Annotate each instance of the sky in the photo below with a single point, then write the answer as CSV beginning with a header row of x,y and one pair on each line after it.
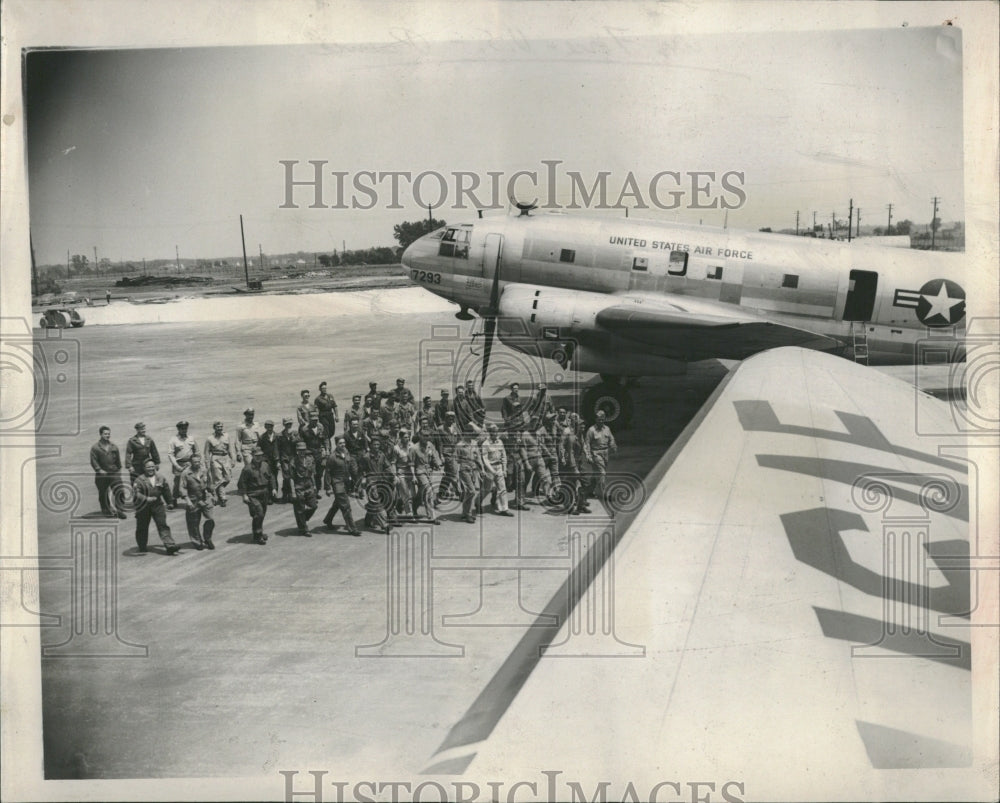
x,y
139,152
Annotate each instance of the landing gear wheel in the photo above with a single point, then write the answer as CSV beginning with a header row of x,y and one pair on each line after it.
x,y
614,400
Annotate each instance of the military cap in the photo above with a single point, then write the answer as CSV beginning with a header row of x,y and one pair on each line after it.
x,y
444,392
356,398
182,423
269,423
491,428
372,384
449,414
286,420
248,411
257,451
148,462
426,398
314,413
301,446
400,381
216,423
140,425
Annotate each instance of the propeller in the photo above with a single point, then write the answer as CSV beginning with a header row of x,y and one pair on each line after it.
x,y
490,320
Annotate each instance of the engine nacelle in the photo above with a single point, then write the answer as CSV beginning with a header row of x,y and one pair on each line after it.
x,y
561,325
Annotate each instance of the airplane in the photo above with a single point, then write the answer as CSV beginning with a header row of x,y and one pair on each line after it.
x,y
627,298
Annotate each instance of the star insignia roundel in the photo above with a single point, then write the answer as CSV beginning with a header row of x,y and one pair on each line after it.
x,y
942,303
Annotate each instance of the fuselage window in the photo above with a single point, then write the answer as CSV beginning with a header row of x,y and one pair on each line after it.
x,y
678,263
714,273
567,255
640,263
790,280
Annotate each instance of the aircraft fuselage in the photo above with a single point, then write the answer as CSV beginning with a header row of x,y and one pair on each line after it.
x,y
558,271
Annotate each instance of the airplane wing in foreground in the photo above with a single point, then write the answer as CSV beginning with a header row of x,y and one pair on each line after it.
x,y
695,329
787,613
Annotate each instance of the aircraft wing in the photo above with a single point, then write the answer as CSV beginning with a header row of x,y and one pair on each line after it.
x,y
787,617
694,329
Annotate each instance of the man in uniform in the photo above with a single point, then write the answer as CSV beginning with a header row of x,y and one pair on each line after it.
x,y
511,405
356,413
304,409
376,465
181,447
357,445
287,441
406,412
403,394
327,409
196,499
247,437
464,411
139,448
405,498
517,466
106,461
570,456
447,441
426,408
255,487
219,454
494,457
269,444
442,408
152,501
302,479
472,395
338,480
314,435
374,397
424,459
598,445
470,475
534,455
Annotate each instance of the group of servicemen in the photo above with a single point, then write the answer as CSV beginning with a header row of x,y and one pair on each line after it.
x,y
388,454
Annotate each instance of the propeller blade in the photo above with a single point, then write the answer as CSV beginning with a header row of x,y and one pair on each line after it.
x,y
490,318
489,328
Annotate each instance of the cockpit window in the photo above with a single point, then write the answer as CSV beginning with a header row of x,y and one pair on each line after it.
x,y
455,243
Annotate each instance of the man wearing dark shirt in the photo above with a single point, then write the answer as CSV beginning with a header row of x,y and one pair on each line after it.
x,y
139,448
106,461
152,501
255,488
338,479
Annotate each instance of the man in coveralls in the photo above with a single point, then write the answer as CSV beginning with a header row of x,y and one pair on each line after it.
x,y
152,501
195,497
255,487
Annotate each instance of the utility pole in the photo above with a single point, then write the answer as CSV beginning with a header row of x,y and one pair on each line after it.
x,y
888,228
796,221
243,239
814,221
34,270
850,219
97,265
934,221
260,251
177,258
430,219
857,230
833,224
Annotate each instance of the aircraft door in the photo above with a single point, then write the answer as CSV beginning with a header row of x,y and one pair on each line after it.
x,y
861,294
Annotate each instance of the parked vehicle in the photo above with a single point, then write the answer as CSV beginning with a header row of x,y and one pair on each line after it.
x,y
60,318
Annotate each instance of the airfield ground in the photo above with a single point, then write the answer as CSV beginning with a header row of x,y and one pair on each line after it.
x,y
245,660
251,663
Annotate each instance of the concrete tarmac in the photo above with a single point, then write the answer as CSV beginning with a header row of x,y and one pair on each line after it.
x,y
353,655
